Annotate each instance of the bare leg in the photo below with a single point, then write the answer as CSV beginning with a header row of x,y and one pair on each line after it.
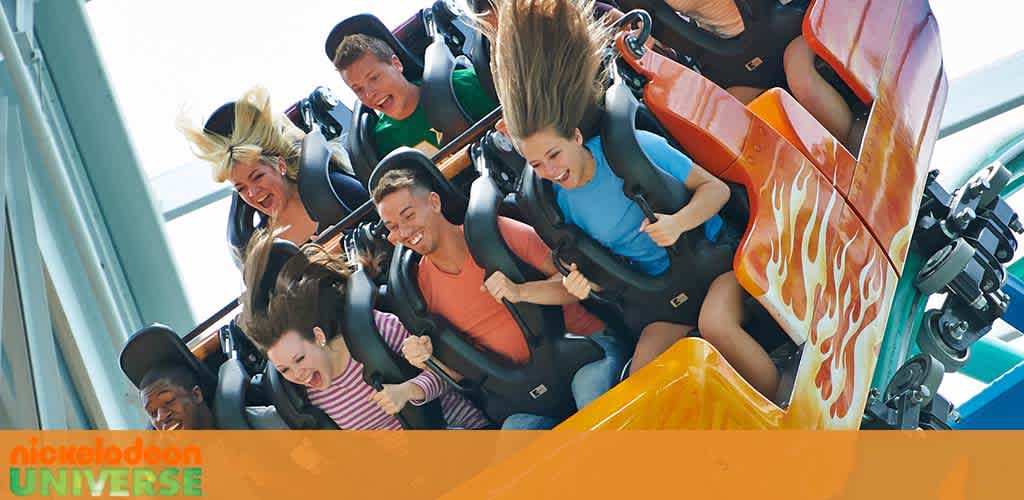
x,y
744,94
654,340
813,92
719,323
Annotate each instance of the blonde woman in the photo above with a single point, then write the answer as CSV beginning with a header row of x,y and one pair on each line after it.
x,y
258,151
547,58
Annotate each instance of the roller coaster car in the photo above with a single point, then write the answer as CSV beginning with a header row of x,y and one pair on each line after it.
x,y
430,45
542,386
753,58
828,233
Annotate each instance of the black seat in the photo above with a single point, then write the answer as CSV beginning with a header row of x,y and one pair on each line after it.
x,y
442,35
655,191
289,399
543,385
157,344
380,364
323,204
752,58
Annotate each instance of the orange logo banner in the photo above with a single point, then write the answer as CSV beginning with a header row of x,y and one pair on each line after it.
x,y
489,464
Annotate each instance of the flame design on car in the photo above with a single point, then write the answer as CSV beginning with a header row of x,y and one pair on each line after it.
x,y
827,287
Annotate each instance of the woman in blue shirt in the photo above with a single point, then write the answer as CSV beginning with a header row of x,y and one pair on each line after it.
x,y
547,60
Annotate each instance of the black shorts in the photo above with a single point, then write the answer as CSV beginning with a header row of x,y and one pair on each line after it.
x,y
641,309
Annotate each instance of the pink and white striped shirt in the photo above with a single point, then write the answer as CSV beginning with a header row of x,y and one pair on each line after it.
x,y
347,399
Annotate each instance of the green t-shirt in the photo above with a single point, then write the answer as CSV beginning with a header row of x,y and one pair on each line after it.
x,y
415,130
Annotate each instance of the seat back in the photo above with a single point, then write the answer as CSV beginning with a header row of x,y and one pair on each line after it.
x,y
229,402
360,142
380,363
437,93
322,202
368,24
157,344
292,404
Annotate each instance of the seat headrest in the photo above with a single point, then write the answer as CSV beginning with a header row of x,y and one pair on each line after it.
x,y
241,224
368,24
281,252
157,344
222,121
315,190
453,202
628,160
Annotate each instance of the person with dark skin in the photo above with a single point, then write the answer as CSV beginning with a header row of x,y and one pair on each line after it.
x,y
172,398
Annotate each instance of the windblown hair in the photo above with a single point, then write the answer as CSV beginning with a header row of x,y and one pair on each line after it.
x,y
257,135
353,47
309,291
547,64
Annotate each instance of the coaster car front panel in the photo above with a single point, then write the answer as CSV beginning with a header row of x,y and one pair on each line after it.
x,y
827,235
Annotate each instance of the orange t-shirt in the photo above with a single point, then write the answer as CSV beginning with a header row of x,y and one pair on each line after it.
x,y
458,298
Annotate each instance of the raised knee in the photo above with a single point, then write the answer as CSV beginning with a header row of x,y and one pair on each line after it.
x,y
709,325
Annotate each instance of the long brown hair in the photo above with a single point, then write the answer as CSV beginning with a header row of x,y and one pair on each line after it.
x,y
547,62
309,291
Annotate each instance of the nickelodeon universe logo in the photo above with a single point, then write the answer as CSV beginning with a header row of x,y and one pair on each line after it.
x,y
105,470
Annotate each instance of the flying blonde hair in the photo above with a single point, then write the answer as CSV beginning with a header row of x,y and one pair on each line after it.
x,y
547,64
258,135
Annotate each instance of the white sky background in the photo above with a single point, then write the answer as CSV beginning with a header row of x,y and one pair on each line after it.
x,y
165,56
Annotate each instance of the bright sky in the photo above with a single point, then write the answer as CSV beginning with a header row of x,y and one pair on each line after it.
x,y
163,57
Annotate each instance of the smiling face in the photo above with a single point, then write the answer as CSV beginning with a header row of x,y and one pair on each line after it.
x,y
172,407
557,159
264,187
381,86
302,361
413,218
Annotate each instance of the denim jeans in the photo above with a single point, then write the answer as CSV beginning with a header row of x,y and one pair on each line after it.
x,y
589,382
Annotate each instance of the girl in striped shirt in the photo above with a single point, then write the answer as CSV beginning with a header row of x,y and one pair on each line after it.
x,y
300,336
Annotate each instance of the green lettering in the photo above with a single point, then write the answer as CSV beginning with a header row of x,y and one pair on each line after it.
x,y
193,481
23,486
118,481
96,484
169,482
53,482
142,482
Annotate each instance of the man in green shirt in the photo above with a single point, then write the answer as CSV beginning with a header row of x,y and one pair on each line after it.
x,y
372,70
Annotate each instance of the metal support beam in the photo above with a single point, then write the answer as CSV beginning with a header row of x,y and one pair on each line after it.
x,y
998,406
42,351
984,93
990,358
110,164
76,304
899,342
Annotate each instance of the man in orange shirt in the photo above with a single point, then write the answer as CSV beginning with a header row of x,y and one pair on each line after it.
x,y
455,287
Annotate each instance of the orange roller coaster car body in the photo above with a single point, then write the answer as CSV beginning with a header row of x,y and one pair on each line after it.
x,y
828,233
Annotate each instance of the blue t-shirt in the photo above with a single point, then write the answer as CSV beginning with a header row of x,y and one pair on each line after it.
x,y
601,209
